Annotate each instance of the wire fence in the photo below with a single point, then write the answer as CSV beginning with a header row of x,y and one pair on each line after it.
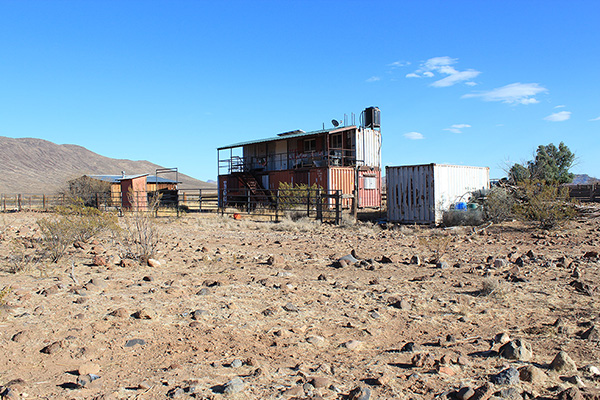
x,y
255,203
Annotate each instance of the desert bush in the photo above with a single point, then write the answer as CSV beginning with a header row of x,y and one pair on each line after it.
x,y
492,287
546,204
57,235
296,196
87,221
86,190
141,234
73,222
3,293
462,217
437,244
21,259
498,205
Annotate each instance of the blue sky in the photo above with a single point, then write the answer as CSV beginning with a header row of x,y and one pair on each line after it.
x,y
463,82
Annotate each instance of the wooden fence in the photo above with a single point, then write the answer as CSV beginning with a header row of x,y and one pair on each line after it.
x,y
585,193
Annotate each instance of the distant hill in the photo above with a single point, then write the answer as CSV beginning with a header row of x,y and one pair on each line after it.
x,y
37,166
584,179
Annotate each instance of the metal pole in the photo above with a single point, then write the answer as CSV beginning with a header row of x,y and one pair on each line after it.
x,y
319,201
338,197
277,206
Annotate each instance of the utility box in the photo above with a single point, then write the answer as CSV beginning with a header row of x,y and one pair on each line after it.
x,y
422,193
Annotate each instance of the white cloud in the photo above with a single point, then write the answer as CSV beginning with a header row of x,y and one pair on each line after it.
x,y
374,79
595,119
399,64
456,78
559,116
443,66
414,136
457,128
561,106
515,93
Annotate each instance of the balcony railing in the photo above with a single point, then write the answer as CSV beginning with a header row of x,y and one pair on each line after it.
x,y
291,160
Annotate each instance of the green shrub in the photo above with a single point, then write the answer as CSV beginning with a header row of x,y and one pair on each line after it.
x,y
74,222
296,196
498,205
546,204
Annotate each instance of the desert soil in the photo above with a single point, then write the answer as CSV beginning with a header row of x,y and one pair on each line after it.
x,y
255,310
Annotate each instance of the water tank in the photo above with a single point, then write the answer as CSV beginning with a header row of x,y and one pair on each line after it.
x,y
372,117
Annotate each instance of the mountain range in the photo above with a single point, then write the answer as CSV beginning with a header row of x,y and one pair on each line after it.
x,y
37,166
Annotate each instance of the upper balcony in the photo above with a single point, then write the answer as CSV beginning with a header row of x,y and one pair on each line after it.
x,y
232,163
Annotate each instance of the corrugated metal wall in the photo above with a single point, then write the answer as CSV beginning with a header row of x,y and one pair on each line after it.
x,y
410,194
420,193
368,147
341,178
369,188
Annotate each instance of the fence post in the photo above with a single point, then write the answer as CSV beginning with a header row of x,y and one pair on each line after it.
x,y
44,202
200,200
338,198
18,202
277,206
319,201
308,203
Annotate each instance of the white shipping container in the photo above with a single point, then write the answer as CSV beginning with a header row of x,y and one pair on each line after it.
x,y
368,147
421,193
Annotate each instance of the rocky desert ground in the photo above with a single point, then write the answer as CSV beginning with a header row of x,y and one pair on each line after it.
x,y
256,310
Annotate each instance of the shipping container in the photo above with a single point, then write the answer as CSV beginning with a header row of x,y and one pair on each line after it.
x,y
368,147
369,188
421,193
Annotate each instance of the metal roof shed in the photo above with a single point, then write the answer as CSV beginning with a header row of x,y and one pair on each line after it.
x,y
421,193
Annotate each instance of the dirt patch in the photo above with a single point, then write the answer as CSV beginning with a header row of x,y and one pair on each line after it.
x,y
240,309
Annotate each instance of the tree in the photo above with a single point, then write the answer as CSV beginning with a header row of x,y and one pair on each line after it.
x,y
551,165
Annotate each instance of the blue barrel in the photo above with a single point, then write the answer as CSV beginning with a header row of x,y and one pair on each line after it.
x,y
461,206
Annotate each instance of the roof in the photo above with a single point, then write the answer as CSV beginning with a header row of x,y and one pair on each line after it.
x,y
119,178
286,136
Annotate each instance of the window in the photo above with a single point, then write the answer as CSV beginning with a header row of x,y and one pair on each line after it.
x,y
336,141
310,145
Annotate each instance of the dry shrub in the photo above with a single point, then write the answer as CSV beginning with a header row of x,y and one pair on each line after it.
x,y
74,222
462,218
437,244
21,259
492,287
498,205
141,234
546,204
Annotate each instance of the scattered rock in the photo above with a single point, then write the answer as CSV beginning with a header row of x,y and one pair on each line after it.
x,y
421,360
509,376
500,263
516,350
443,265
352,345
509,393
410,347
290,307
127,263
153,263
465,393
133,342
563,363
571,393
89,368
144,313
198,314
100,261
320,382
415,260
591,334
532,374
235,385
316,340
360,393
502,338
236,363
52,348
